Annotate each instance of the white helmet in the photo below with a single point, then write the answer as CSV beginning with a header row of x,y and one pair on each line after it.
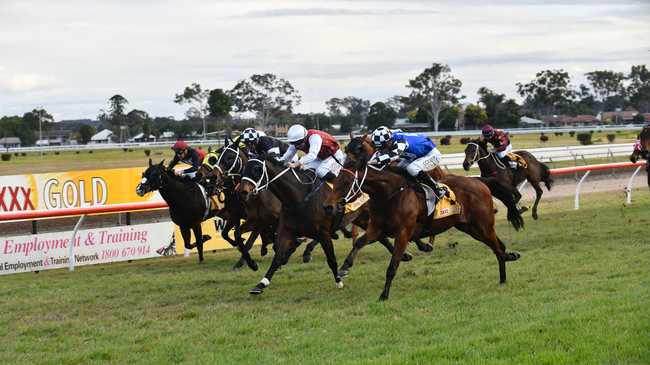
x,y
381,135
296,133
249,135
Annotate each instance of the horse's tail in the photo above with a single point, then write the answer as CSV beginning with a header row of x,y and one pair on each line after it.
x,y
506,197
546,176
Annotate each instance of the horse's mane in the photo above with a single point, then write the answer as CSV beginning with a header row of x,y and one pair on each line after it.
x,y
480,142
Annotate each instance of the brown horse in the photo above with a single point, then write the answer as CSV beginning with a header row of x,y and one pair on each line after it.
x,y
491,166
397,208
643,151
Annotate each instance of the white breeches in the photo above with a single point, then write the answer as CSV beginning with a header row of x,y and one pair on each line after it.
x,y
322,167
427,162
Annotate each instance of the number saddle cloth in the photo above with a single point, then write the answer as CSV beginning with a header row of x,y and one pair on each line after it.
x,y
518,159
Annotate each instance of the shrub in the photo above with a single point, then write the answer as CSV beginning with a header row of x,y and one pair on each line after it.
x,y
147,152
449,136
465,140
6,156
618,132
611,137
90,151
584,138
125,149
23,154
130,149
444,141
77,152
572,133
56,152
16,154
543,138
591,132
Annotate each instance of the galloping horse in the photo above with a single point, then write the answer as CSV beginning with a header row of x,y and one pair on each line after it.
x,y
398,210
187,205
644,149
491,166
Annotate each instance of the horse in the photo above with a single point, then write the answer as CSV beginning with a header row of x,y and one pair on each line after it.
x,y
397,207
222,170
644,149
491,166
187,205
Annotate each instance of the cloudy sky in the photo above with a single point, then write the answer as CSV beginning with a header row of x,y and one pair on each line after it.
x,y
71,56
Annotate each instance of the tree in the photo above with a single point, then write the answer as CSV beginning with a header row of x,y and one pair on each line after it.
x,y
475,116
139,120
219,104
549,92
500,111
116,107
196,97
264,94
85,133
380,114
37,120
437,87
638,88
349,111
605,83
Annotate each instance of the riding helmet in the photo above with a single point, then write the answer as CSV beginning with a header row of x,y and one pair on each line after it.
x,y
296,133
180,145
250,135
381,135
487,131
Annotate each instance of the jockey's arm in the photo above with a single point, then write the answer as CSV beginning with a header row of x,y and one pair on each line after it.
x,y
174,162
288,156
315,143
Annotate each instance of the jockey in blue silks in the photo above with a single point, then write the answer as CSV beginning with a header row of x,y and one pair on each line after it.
x,y
415,153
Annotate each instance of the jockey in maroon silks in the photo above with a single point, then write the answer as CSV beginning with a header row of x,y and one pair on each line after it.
x,y
498,138
188,155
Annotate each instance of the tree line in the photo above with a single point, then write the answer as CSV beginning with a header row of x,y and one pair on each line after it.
x,y
434,98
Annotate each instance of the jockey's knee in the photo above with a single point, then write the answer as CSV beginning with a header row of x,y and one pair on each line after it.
x,y
329,176
413,170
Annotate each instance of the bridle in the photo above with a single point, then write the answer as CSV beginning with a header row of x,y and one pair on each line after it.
x,y
476,157
237,161
259,185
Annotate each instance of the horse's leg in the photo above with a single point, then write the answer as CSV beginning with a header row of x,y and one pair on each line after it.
x,y
346,233
306,255
389,246
401,241
230,223
423,246
372,234
187,237
267,238
487,235
328,248
284,246
240,241
538,196
198,235
247,247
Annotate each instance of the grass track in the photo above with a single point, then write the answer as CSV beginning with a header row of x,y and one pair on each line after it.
x,y
579,295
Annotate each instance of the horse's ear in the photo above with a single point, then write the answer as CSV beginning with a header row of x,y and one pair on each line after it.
x,y
162,163
150,163
209,149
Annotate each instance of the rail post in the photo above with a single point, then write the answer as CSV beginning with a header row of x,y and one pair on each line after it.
x,y
628,189
71,247
577,199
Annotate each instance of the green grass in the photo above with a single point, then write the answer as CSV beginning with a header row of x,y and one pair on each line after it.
x,y
67,161
579,295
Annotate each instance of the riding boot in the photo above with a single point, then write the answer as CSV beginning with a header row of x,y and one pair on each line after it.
x,y
427,180
506,162
329,177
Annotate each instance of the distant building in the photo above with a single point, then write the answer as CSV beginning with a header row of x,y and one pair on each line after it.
x,y
406,125
103,136
167,136
569,121
527,122
141,138
10,142
617,117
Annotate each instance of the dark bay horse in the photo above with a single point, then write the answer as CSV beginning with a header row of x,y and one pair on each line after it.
x,y
187,206
491,166
644,150
398,210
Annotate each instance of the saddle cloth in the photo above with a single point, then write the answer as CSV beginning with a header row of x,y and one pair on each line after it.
x,y
357,203
518,159
445,207
212,202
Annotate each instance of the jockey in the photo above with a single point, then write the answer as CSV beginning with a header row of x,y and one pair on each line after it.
x,y
417,154
499,139
258,143
186,154
322,152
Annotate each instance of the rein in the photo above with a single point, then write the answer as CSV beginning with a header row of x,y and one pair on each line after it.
x,y
265,175
237,161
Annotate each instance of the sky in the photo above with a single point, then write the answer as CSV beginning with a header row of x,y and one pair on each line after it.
x,y
70,56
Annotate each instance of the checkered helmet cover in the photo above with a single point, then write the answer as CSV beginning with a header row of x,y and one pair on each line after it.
x,y
381,135
250,135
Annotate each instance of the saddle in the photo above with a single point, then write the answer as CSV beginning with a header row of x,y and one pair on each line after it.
x,y
212,202
441,208
518,159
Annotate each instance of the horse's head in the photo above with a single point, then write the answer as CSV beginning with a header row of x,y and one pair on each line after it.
x,y
152,178
207,172
358,152
253,177
474,151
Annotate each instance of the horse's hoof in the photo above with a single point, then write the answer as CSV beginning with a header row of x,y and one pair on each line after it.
x,y
339,284
513,256
425,247
253,265
383,297
238,265
257,290
407,257
206,237
535,216
306,258
523,210
335,236
264,251
344,273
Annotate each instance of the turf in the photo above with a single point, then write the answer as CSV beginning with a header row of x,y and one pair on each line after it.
x,y
70,160
579,295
